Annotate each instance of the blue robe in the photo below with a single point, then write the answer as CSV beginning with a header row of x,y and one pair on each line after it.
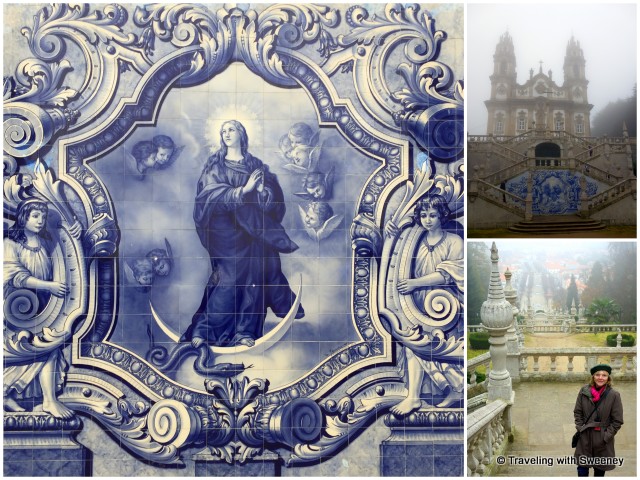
x,y
244,238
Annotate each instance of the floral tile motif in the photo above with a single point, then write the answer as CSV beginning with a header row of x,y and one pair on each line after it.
x,y
233,240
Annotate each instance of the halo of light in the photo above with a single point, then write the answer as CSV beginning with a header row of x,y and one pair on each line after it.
x,y
243,113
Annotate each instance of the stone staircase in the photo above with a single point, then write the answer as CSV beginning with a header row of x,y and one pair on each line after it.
x,y
569,224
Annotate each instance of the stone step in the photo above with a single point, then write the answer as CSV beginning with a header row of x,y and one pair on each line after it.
x,y
558,224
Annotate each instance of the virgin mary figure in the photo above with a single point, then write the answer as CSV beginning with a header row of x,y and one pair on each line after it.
x,y
238,212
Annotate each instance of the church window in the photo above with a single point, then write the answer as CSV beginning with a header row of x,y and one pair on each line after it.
x,y
522,123
499,127
579,127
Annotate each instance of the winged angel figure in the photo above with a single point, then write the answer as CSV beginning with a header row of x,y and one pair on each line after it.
x,y
425,226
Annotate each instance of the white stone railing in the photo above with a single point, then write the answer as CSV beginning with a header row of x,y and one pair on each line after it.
x,y
500,197
474,363
477,401
561,328
574,363
612,195
508,172
582,328
488,432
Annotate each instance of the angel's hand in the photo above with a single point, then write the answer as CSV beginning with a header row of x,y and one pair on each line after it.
x,y
58,289
76,229
391,230
406,286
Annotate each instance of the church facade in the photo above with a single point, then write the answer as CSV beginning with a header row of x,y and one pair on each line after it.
x,y
540,102
538,170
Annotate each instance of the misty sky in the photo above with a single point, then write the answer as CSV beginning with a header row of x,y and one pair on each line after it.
x,y
556,248
606,32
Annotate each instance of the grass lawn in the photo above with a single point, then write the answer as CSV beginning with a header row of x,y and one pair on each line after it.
x,y
576,340
471,353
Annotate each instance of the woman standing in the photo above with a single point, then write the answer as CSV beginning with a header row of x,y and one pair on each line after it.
x,y
598,416
238,212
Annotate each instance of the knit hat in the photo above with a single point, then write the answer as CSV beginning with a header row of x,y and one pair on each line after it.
x,y
600,367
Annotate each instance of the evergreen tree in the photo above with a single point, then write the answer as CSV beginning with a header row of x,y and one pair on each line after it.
x,y
478,278
596,284
622,286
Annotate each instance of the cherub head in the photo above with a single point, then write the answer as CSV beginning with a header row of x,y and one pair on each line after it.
x,y
300,134
30,217
315,184
431,212
164,147
161,261
317,214
301,155
143,271
285,146
145,154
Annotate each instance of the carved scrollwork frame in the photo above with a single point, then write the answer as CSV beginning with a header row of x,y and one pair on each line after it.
x,y
185,45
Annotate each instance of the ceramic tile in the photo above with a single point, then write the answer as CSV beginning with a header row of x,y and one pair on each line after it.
x,y
197,275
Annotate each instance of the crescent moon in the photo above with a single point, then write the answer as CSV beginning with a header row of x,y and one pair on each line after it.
x,y
266,341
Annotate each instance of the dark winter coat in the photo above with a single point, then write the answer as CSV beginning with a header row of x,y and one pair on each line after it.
x,y
597,443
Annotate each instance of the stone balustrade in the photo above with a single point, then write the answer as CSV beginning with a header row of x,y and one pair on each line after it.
x,y
612,195
505,199
488,432
571,364
474,363
583,328
560,328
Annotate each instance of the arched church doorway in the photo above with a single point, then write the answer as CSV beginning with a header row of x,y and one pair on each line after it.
x,y
548,149
545,152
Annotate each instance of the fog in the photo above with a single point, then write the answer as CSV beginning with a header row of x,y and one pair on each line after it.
x,y
514,251
607,34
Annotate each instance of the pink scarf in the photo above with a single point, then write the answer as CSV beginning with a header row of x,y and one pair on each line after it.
x,y
595,394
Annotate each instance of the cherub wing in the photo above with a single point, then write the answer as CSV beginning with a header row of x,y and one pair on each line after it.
x,y
295,168
168,247
329,178
313,141
329,226
303,214
314,158
303,195
132,166
169,252
176,154
128,273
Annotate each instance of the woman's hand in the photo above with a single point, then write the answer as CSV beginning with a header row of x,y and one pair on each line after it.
x,y
255,181
57,289
407,286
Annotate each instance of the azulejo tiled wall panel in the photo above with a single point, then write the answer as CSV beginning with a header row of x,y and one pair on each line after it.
x,y
233,240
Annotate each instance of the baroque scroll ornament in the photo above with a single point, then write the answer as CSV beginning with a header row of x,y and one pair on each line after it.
x,y
398,78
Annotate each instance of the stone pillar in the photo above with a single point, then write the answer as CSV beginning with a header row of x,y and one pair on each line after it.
x,y
497,316
513,349
427,443
37,444
583,205
528,202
